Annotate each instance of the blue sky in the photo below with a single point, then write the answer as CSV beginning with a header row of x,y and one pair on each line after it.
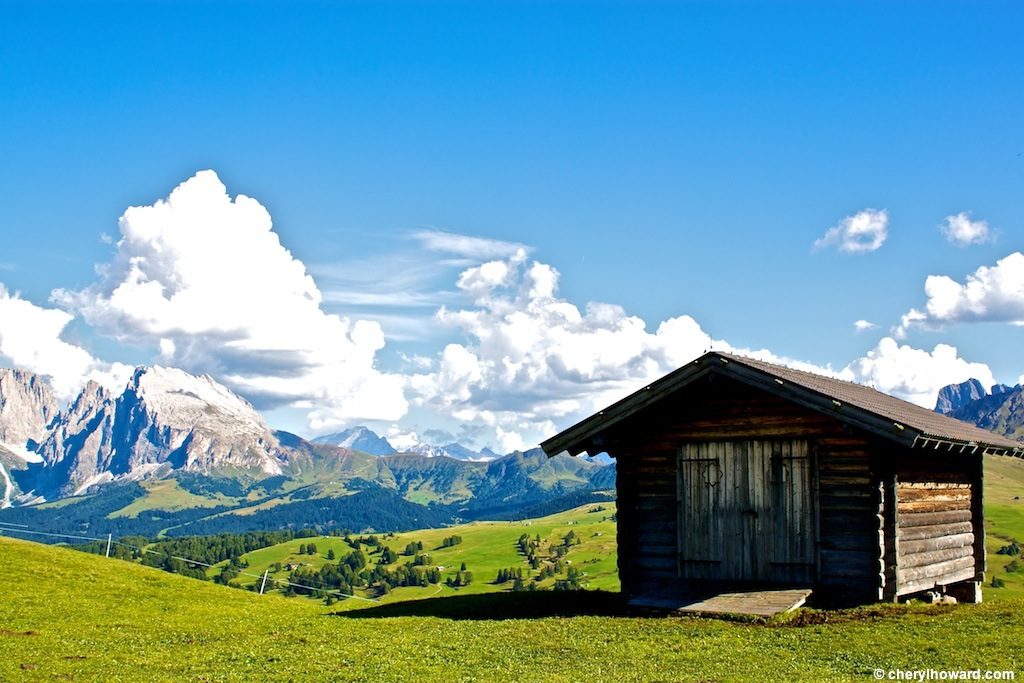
x,y
670,159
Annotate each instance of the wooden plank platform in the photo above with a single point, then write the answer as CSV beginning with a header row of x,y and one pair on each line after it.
x,y
758,603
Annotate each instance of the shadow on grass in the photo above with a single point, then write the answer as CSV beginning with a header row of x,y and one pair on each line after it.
x,y
498,606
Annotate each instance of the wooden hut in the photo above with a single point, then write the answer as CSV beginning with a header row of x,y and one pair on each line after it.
x,y
737,473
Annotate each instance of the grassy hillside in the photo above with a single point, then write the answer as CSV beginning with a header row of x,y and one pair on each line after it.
x,y
486,547
71,616
1004,523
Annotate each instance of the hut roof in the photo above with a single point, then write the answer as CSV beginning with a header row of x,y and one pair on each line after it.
x,y
849,402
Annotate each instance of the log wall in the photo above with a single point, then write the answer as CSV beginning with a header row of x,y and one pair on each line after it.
x,y
888,520
937,530
845,524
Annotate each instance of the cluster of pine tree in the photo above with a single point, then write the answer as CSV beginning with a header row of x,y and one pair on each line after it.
x,y
506,575
449,541
571,582
530,548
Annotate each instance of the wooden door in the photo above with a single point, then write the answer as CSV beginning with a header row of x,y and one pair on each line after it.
x,y
746,511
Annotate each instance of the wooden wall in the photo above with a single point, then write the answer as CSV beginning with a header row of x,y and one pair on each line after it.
x,y
939,539
864,553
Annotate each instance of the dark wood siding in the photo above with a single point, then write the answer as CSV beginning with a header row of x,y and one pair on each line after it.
x,y
874,519
747,511
848,500
846,557
646,518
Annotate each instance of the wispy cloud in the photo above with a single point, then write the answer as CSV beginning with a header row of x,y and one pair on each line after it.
x,y
480,248
864,325
861,233
962,231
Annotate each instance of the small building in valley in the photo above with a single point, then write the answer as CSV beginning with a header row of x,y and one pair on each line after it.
x,y
738,473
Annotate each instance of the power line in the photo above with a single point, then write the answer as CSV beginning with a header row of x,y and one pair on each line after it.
x,y
25,529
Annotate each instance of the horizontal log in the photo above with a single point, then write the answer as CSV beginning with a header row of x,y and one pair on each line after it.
x,y
850,507
934,518
852,557
925,532
655,532
649,527
847,571
933,505
658,549
831,468
852,541
648,575
659,562
656,502
936,570
924,545
851,480
943,494
933,476
932,557
929,583
848,522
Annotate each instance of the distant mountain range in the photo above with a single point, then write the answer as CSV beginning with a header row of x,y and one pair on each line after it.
x,y
1000,410
365,440
177,454
181,454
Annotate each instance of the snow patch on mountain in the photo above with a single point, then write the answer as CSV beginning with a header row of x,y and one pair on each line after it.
x,y
98,478
22,452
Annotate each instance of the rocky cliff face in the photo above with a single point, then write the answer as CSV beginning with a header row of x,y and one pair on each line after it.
x,y
164,420
27,407
955,396
359,439
1002,413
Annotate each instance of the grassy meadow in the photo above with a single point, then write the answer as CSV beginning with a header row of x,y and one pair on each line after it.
x,y
1004,523
66,615
486,548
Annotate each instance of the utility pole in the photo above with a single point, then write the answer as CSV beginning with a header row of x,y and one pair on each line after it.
x,y
264,584
110,537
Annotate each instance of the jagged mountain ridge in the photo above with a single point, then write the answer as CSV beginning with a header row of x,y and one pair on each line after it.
x,y
362,438
955,396
164,420
167,424
1000,410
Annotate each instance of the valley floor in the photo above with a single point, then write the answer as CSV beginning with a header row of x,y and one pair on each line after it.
x,y
66,615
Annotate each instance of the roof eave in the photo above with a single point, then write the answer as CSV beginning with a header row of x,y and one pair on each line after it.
x,y
578,438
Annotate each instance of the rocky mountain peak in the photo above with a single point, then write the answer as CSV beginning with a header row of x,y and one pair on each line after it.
x,y
165,419
955,396
27,407
180,400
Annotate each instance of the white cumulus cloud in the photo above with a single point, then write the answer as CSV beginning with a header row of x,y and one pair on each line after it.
x,y
864,325
30,339
962,231
863,232
534,359
204,279
914,375
990,294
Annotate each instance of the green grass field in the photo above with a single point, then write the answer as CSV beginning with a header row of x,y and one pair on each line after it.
x,y
67,615
486,548
1004,522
